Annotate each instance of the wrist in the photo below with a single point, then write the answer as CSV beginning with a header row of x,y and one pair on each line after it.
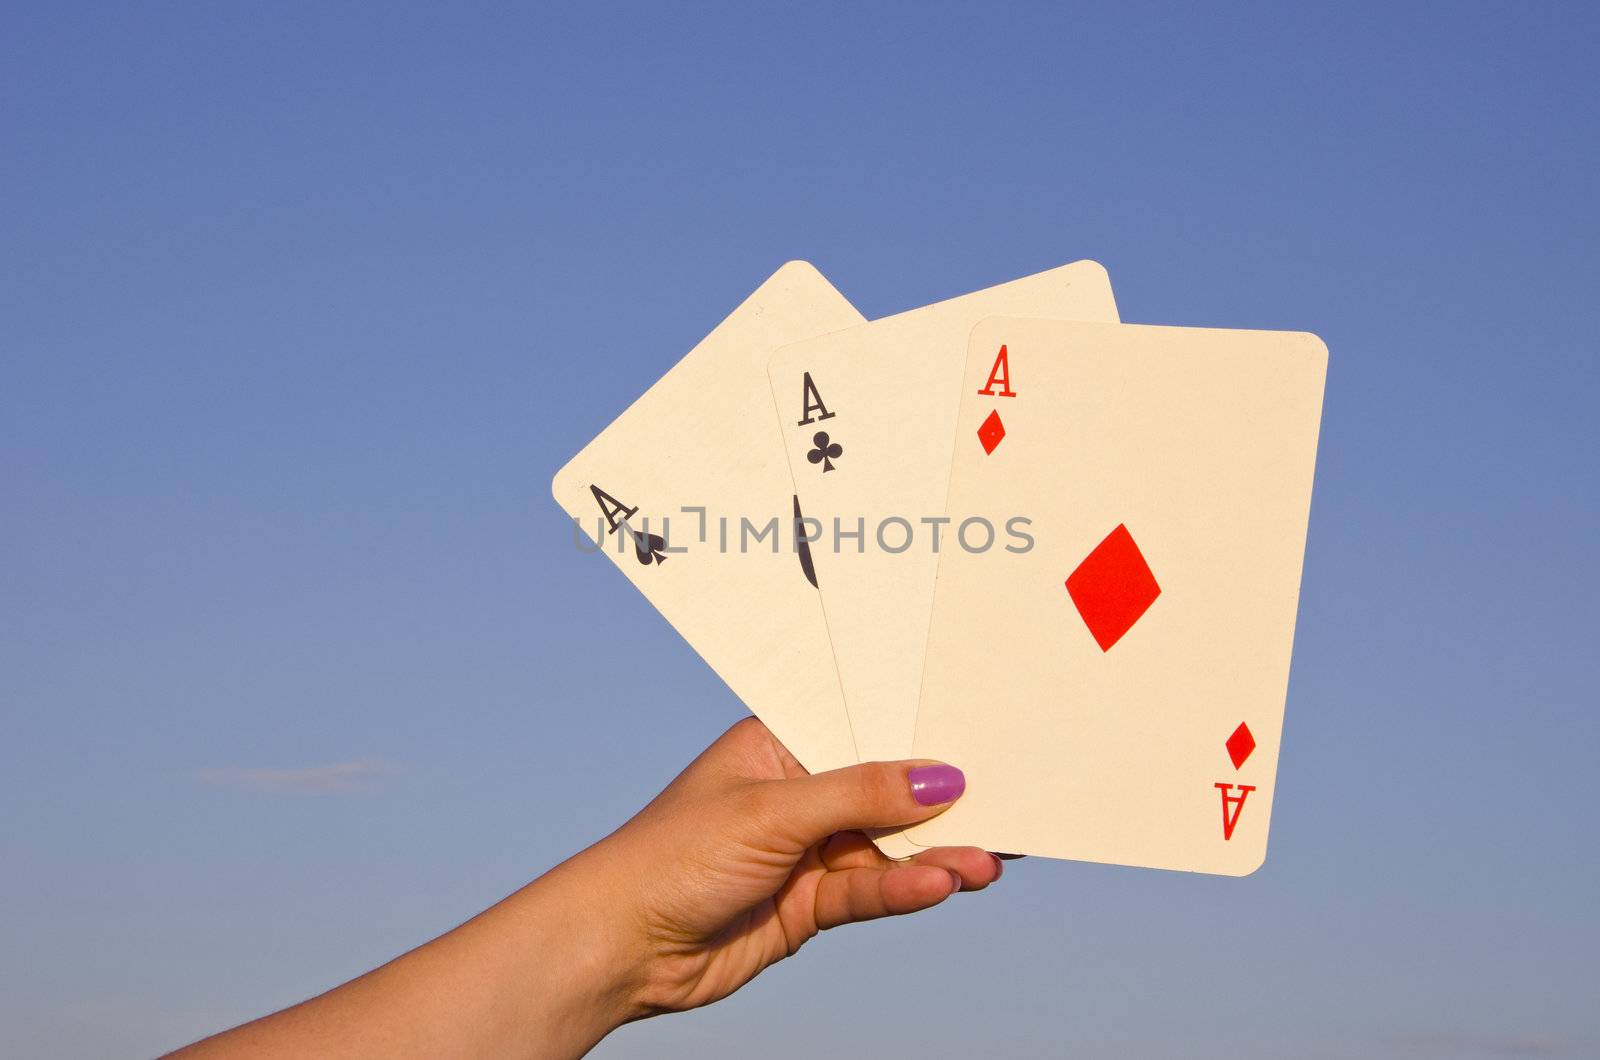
x,y
589,955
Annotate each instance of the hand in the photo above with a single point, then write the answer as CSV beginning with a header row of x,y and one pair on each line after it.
x,y
745,857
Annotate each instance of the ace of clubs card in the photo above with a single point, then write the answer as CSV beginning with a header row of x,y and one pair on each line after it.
x,y
867,416
1115,692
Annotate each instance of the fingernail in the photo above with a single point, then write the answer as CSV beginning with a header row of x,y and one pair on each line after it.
x,y
955,881
999,866
935,785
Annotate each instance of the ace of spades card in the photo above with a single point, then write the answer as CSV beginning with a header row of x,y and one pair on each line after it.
x,y
666,488
1115,691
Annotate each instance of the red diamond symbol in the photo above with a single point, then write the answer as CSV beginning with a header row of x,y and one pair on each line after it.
x,y
1113,587
1240,744
991,432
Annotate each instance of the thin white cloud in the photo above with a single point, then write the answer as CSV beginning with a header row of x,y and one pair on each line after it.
x,y
338,777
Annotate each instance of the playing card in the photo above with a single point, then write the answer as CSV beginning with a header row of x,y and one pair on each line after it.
x,y
867,416
1113,686
689,494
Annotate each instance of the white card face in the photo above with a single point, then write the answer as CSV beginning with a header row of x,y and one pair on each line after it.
x,y
885,396
701,437
1115,692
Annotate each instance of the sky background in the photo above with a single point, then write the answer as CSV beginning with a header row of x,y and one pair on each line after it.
x,y
302,305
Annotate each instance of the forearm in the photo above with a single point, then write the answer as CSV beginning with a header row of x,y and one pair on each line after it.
x,y
541,974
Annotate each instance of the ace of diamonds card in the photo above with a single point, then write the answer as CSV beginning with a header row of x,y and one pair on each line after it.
x,y
1115,691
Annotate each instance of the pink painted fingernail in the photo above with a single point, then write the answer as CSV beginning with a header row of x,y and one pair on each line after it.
x,y
936,785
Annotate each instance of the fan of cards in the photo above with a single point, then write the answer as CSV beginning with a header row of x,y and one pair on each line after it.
x,y
1004,531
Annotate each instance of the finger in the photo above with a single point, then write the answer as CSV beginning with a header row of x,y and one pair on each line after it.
x,y
806,810
977,868
854,895
852,850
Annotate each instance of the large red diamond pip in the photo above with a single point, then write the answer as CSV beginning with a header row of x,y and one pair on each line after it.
x,y
1113,587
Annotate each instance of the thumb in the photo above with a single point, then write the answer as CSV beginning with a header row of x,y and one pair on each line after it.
x,y
871,795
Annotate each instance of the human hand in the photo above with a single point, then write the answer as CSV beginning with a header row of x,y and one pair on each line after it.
x,y
744,857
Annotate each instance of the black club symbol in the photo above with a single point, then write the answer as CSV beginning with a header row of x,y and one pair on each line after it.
x,y
826,452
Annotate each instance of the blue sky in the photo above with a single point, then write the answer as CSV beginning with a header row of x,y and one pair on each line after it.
x,y
301,306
